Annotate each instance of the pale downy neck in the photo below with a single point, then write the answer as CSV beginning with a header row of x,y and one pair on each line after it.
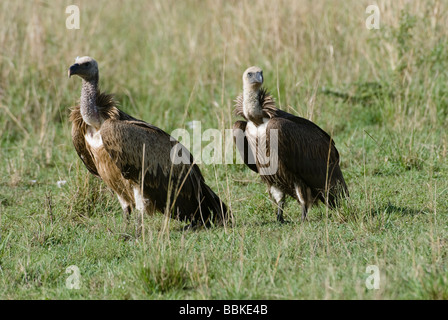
x,y
89,109
251,105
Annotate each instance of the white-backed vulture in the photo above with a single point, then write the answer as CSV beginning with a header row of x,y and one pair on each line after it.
x,y
119,148
307,161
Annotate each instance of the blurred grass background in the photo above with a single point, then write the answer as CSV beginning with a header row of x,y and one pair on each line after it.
x,y
382,94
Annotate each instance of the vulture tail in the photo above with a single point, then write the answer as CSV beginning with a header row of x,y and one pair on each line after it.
x,y
212,208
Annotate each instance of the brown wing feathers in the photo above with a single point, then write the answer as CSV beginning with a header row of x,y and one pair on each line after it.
x,y
180,186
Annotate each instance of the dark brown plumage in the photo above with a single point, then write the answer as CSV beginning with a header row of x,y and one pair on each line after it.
x,y
308,161
133,158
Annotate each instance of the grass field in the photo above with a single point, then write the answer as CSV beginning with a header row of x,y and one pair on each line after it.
x,y
382,94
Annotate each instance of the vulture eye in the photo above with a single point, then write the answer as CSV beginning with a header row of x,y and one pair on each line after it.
x,y
87,64
249,74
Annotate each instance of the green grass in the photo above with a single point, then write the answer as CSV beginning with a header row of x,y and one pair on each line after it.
x,y
383,94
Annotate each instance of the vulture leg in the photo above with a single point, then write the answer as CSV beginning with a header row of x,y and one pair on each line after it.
x,y
127,208
138,224
304,212
279,197
303,198
141,208
280,212
126,214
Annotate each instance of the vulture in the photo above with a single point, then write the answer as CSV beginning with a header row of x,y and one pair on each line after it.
x,y
135,159
292,155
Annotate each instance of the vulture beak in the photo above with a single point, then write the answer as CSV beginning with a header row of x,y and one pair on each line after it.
x,y
73,70
257,78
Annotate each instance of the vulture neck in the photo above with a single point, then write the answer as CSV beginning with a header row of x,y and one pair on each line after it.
x,y
252,109
89,109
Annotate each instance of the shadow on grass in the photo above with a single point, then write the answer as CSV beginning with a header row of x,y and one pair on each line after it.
x,y
391,208
274,223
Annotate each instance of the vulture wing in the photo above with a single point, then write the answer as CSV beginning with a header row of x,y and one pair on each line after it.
x,y
239,129
78,132
307,151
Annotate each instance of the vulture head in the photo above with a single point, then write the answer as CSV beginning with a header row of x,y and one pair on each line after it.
x,y
85,67
253,78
